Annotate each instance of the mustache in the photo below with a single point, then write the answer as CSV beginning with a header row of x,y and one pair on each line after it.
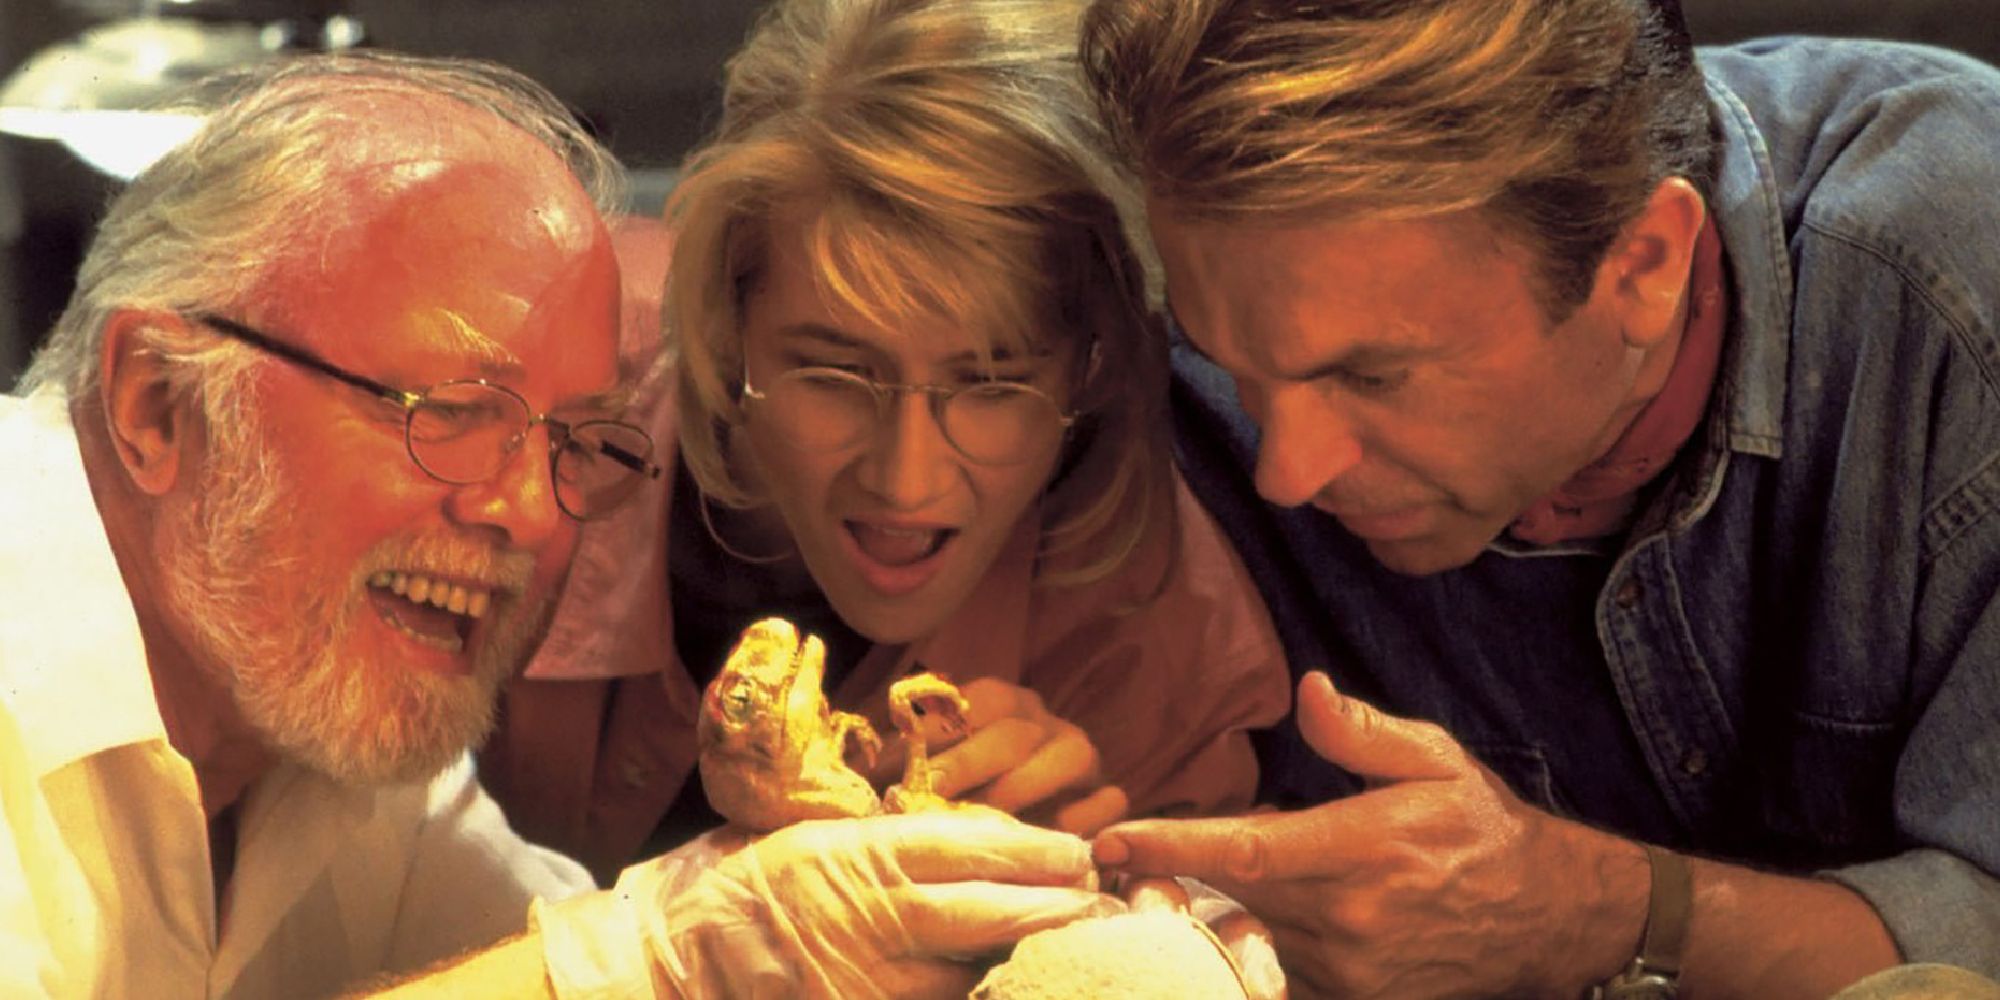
x,y
502,570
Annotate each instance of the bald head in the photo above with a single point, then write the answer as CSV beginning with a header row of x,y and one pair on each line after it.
x,y
292,149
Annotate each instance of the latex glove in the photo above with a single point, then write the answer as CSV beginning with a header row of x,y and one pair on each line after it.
x,y
1437,881
1016,756
881,906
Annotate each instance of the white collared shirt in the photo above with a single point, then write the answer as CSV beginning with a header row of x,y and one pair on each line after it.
x,y
105,885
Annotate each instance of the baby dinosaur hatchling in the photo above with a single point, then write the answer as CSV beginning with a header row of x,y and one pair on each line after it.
x,y
774,752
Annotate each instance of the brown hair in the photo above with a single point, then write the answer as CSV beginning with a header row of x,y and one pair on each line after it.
x,y
1554,118
948,165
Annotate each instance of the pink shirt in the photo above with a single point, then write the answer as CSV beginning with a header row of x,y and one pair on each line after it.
x,y
589,765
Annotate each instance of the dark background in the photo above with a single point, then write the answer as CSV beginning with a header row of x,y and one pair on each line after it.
x,y
644,74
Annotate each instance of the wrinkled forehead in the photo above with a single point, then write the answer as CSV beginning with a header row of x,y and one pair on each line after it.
x,y
466,246
399,154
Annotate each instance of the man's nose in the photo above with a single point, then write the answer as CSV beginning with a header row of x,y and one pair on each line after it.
x,y
519,500
909,460
1306,444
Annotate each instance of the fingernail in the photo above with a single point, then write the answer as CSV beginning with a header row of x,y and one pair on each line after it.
x,y
1325,684
1110,851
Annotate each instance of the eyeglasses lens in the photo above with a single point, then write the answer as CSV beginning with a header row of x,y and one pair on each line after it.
x,y
600,466
462,432
991,423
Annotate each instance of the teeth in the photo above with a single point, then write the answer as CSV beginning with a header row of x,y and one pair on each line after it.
x,y
455,598
450,644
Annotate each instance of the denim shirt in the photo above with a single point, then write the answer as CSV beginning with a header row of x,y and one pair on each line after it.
x,y
1792,659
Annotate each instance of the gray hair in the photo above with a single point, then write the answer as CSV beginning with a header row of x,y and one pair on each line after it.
x,y
258,188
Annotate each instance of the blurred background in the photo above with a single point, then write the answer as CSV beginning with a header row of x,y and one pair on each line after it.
x,y
643,73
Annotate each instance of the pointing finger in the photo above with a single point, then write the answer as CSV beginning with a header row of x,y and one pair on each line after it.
x,y
1290,845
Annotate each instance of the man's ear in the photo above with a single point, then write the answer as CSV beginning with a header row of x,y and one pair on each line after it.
x,y
143,415
1650,263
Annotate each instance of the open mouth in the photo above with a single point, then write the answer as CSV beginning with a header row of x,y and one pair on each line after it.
x,y
896,547
434,612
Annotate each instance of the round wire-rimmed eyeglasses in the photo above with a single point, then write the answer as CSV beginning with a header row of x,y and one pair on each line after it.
x,y
464,430
991,422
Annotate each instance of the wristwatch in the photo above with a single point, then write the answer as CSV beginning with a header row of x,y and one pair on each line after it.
x,y
1656,971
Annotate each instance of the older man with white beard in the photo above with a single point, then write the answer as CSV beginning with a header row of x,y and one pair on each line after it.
x,y
287,497
280,519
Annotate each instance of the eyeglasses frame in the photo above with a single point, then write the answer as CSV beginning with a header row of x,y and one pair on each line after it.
x,y
887,393
409,401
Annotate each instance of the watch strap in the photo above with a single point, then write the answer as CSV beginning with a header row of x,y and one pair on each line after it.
x,y
1669,909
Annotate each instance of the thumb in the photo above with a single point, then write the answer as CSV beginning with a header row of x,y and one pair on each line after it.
x,y
1370,743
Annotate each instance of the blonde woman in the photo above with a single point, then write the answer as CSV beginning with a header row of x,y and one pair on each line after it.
x,y
918,396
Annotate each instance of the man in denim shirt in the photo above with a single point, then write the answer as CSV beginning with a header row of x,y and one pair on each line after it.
x,y
1633,421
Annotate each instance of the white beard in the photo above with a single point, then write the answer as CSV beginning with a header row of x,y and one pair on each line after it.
x,y
274,635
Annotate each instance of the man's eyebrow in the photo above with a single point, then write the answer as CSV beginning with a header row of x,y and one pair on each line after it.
x,y
1358,358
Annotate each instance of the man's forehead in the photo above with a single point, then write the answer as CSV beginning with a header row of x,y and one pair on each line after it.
x,y
440,231
461,269
520,201
1289,299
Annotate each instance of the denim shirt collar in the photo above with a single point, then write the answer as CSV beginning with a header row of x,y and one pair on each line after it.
x,y
1746,413
1749,409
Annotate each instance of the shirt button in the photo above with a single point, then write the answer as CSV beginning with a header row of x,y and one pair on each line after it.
x,y
1694,762
635,774
1628,593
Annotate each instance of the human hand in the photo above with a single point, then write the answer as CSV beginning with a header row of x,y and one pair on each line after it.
x,y
1436,881
1016,756
1245,937
880,906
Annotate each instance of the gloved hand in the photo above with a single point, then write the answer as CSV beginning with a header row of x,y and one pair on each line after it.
x,y
881,906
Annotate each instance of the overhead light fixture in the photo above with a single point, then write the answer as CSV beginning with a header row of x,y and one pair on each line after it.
x,y
102,94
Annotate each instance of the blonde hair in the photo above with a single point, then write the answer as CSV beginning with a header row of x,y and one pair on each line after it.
x,y
1554,118
948,165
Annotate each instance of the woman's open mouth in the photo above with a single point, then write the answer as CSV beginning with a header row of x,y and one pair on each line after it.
x,y
896,559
